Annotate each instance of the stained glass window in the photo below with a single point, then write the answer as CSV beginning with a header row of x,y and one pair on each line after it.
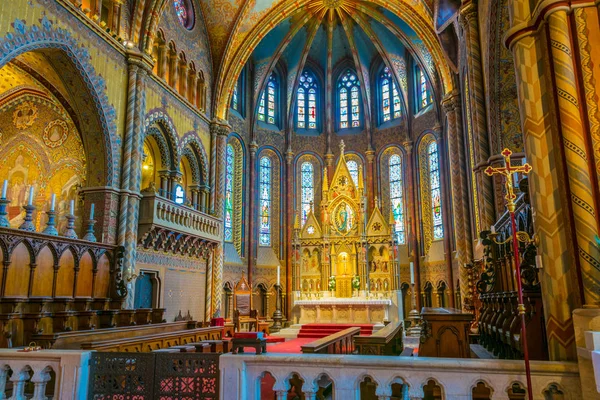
x,y
229,167
424,93
307,102
266,107
353,169
184,12
390,97
436,191
265,178
396,196
349,97
235,97
179,194
308,189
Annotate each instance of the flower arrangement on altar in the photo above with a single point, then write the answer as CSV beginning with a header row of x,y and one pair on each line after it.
x,y
356,282
331,283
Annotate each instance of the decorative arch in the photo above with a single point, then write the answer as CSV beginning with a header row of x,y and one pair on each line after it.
x,y
163,146
160,119
44,38
192,141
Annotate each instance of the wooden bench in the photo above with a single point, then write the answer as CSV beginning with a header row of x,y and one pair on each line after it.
x,y
146,343
74,339
385,342
341,342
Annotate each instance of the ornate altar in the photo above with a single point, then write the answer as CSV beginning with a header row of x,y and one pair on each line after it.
x,y
341,240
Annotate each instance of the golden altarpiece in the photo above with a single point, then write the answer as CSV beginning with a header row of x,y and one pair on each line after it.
x,y
344,245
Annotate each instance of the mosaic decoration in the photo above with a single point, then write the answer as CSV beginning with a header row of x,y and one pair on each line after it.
x,y
265,192
396,196
55,133
390,97
307,189
25,115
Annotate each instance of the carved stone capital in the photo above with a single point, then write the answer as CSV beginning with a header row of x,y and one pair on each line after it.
x,y
468,14
451,102
219,127
253,147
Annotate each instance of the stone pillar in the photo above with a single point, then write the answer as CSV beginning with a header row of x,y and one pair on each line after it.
x,y
162,61
219,131
183,77
289,224
459,187
131,175
556,138
413,217
173,68
204,197
191,95
370,188
469,23
252,216
209,293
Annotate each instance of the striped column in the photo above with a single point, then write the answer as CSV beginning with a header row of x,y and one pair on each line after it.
x,y
470,25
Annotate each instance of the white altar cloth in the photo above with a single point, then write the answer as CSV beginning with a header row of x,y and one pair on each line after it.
x,y
343,310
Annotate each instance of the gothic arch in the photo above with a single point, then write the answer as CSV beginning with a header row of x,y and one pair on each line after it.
x,y
59,43
192,142
162,120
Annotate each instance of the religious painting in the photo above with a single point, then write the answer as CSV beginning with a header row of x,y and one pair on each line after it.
x,y
344,218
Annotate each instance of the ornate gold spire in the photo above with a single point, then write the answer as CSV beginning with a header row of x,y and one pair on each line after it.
x,y
361,185
342,147
296,222
325,181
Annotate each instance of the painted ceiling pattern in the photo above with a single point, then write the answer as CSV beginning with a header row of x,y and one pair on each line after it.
x,y
237,27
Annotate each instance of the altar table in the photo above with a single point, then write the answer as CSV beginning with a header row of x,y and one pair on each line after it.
x,y
344,310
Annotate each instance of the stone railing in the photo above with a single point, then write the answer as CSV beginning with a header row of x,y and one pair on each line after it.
x,y
341,342
33,370
160,217
380,377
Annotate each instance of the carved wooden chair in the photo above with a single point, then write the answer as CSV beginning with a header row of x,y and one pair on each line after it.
x,y
242,307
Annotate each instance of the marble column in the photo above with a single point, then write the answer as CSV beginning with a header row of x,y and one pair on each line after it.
x,y
252,215
289,223
413,217
556,133
469,23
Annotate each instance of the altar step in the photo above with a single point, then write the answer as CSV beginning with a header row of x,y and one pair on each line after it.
x,y
318,331
289,333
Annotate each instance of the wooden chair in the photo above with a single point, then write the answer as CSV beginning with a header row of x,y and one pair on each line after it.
x,y
242,306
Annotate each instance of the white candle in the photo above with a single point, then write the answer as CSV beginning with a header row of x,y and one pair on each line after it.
x,y
72,208
30,196
4,188
493,229
92,212
52,202
412,273
278,274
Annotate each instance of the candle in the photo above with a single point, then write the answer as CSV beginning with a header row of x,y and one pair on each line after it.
x,y
493,229
92,212
30,196
52,202
278,275
4,188
412,273
72,208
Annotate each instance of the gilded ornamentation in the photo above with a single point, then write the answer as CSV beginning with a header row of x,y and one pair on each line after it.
x,y
25,115
426,219
56,133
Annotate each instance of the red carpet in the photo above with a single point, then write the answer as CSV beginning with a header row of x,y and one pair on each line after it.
x,y
321,330
291,346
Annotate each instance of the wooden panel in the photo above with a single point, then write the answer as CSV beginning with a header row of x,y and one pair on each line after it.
x,y
84,278
66,275
2,263
102,277
43,274
17,277
445,333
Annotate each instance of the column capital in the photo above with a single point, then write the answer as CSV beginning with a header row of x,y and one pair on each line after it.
x,y
468,13
451,102
135,58
408,146
253,146
220,127
370,153
289,155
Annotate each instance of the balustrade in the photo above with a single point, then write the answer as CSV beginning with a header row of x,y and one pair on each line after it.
x,y
338,343
241,376
39,375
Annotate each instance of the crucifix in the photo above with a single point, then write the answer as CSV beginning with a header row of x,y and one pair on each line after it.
x,y
507,171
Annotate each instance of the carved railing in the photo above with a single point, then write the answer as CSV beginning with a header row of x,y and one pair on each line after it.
x,y
341,342
379,377
498,321
385,342
175,228
52,284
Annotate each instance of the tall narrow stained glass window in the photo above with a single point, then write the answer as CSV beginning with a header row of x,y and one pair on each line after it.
x,y
264,190
349,100
396,196
435,189
306,112
266,106
353,169
229,168
235,100
424,95
390,97
308,189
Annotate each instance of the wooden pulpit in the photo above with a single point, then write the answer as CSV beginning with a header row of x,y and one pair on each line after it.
x,y
445,333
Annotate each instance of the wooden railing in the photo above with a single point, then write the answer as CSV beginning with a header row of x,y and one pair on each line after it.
x,y
341,342
74,339
146,343
385,342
